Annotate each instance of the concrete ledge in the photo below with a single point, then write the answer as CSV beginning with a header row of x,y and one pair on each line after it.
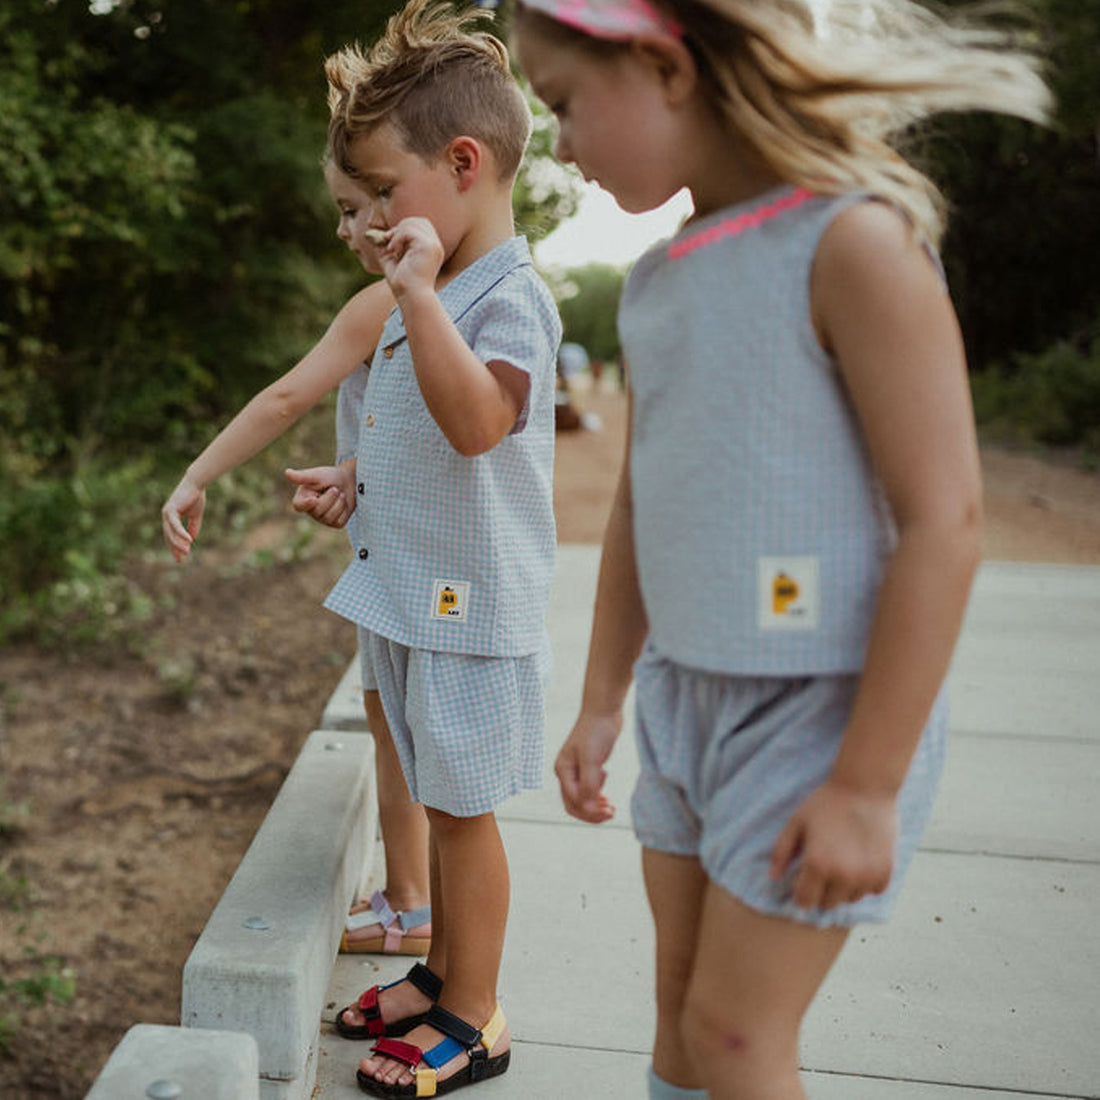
x,y
344,710
263,961
189,1063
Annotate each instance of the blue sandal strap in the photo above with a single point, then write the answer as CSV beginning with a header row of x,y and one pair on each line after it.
x,y
411,918
442,1052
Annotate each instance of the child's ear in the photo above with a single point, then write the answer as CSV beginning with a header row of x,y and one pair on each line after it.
x,y
671,61
465,159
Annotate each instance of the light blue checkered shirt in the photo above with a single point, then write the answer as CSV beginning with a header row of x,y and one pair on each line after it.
x,y
760,529
456,553
349,412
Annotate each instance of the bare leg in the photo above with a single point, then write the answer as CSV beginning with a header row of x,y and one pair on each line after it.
x,y
403,822
753,980
675,886
473,895
404,826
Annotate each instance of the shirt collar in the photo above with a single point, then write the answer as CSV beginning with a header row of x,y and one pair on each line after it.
x,y
473,282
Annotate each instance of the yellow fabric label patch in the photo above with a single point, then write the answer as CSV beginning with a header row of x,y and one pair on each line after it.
x,y
450,599
788,593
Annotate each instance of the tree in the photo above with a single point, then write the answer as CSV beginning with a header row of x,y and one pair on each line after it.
x,y
1022,244
588,298
166,245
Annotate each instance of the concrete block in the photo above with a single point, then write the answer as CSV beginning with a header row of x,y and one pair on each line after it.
x,y
153,1062
344,710
263,960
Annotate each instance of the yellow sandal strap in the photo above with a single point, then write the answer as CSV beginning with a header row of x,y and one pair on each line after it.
x,y
490,1033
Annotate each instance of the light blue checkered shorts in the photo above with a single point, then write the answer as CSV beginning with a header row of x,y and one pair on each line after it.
x,y
468,730
725,761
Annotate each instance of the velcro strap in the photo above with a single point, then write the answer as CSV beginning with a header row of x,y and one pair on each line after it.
x,y
403,1052
490,1033
356,921
425,1081
452,1025
412,917
378,903
443,1052
391,939
372,1014
423,979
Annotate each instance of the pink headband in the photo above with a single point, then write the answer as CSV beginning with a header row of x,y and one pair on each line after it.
x,y
616,20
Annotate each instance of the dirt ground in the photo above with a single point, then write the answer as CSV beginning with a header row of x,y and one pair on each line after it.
x,y
146,776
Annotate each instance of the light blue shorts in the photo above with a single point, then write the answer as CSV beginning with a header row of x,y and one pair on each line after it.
x,y
468,730
727,759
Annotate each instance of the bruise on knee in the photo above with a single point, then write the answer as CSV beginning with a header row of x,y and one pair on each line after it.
x,y
734,1042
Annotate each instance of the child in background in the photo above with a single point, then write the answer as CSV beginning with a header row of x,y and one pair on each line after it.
x,y
794,537
337,358
454,524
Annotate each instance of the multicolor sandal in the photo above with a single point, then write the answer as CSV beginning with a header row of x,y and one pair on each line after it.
x,y
461,1038
429,983
405,933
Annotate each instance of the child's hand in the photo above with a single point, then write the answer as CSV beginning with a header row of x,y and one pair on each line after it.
x,y
321,495
412,256
580,768
185,504
843,841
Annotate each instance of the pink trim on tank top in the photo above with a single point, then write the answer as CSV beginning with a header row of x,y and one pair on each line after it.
x,y
733,227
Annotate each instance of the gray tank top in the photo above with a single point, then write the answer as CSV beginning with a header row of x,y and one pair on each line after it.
x,y
760,529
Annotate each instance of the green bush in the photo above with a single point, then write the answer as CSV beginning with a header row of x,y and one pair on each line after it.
x,y
34,978
1050,398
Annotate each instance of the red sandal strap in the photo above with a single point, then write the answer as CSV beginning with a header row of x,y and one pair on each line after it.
x,y
402,1052
372,1015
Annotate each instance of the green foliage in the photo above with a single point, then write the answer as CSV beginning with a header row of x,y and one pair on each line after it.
x,y
546,192
166,250
43,978
34,978
65,540
1052,397
1024,234
588,299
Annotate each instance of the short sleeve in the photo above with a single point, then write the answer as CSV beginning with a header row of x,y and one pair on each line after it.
x,y
519,324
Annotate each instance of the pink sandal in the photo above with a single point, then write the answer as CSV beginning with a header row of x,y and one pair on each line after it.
x,y
404,933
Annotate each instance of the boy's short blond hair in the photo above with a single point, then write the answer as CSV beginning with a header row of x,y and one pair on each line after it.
x,y
433,80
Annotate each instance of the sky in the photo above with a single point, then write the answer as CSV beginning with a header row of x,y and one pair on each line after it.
x,y
599,232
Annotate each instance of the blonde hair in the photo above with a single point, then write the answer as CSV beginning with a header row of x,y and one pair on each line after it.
x,y
433,80
822,98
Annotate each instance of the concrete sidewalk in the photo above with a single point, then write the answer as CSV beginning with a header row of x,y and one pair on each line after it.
x,y
986,985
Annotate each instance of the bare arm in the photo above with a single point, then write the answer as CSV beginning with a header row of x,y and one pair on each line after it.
x,y
881,309
351,338
475,404
618,631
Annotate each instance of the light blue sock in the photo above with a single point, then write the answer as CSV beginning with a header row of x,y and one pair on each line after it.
x,y
662,1090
